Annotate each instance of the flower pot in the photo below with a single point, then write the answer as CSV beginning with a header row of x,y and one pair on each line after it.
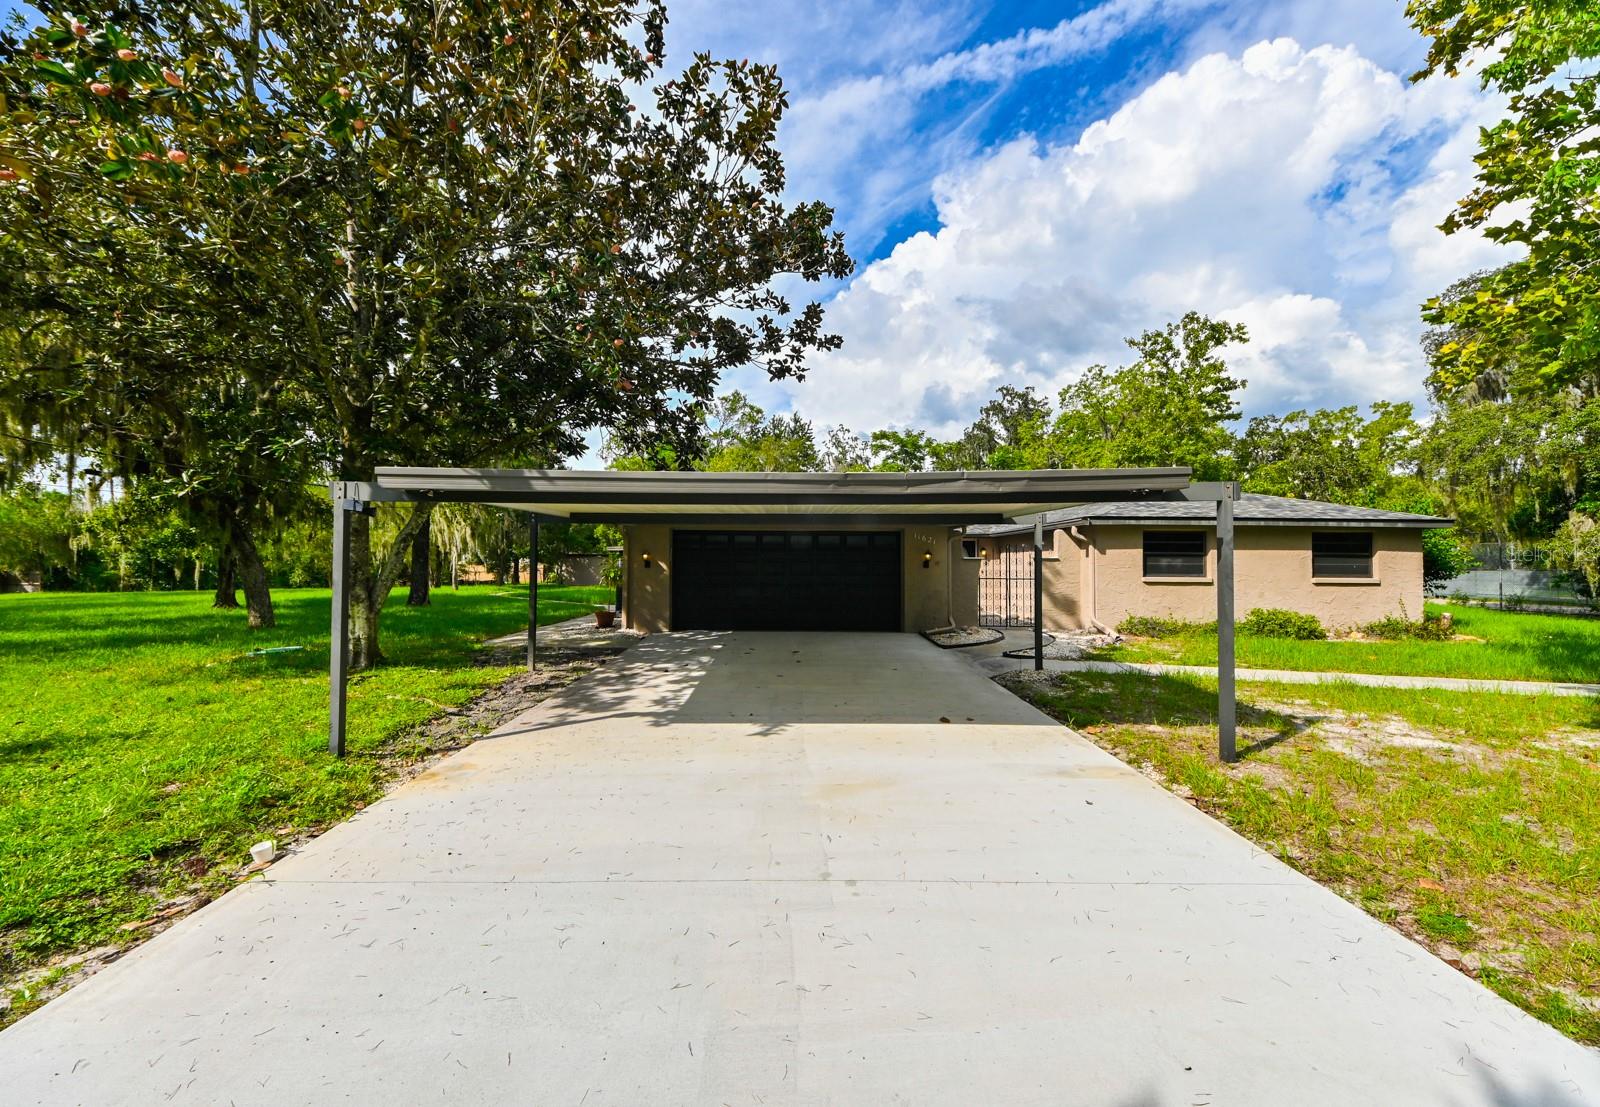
x,y
605,618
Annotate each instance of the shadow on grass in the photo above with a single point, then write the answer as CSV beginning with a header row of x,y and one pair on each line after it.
x,y
55,745
1572,654
75,627
1150,699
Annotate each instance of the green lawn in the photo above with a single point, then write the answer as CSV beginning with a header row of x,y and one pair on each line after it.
x,y
1470,821
1501,645
140,744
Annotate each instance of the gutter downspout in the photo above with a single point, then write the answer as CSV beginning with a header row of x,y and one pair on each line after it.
x,y
949,581
1089,616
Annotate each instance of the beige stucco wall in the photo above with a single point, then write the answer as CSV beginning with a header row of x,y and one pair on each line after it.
x,y
964,606
925,592
925,601
1272,568
647,592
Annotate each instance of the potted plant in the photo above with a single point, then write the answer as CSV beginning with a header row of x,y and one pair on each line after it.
x,y
604,616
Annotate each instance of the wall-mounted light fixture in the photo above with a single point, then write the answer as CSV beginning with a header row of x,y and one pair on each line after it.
x,y
983,551
927,559
647,559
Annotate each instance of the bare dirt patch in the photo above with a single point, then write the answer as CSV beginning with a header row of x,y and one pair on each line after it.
x,y
1360,738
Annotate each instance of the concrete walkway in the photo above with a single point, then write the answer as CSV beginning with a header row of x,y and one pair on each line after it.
x,y
780,869
995,664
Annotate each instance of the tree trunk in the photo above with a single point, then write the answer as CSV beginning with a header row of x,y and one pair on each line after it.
x,y
252,577
226,587
364,652
421,563
370,582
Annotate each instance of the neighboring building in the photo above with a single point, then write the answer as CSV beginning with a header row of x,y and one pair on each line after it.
x,y
26,582
575,569
1106,561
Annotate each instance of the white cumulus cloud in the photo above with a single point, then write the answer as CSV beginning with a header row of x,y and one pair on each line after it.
x,y
1294,190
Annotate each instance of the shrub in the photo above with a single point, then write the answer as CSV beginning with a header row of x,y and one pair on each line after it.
x,y
1275,622
1389,628
1445,556
1429,628
1161,626
1435,628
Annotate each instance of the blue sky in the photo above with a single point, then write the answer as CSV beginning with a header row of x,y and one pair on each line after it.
x,y
1023,185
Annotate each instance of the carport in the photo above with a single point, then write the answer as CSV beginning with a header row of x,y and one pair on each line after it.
x,y
818,505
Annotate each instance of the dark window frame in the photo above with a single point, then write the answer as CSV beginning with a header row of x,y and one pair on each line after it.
x,y
1177,554
1342,555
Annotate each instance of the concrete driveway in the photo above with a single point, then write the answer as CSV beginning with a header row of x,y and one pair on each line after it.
x,y
764,868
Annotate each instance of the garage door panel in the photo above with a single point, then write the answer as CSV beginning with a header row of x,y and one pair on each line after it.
x,y
786,580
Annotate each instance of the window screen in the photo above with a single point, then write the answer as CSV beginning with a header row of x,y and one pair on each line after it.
x,y
1341,554
1174,553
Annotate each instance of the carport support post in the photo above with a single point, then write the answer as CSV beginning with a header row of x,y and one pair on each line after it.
x,y
1038,593
339,643
533,584
1227,706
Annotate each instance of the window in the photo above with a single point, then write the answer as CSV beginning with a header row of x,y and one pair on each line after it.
x,y
969,547
1175,553
1341,554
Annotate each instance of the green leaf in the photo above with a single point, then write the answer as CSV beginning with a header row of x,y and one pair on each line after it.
x,y
51,70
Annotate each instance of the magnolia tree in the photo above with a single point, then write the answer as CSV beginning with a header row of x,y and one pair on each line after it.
x,y
1537,187
443,233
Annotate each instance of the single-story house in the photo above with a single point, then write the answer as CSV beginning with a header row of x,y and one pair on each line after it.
x,y
786,551
1106,561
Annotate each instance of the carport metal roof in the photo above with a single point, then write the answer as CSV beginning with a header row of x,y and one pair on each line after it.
x,y
584,496
955,499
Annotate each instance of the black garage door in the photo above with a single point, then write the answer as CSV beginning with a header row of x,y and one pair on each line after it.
x,y
782,580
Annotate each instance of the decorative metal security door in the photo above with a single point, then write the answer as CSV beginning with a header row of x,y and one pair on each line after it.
x,y
1005,585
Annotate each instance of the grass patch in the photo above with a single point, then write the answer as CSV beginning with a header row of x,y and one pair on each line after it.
x,y
1471,821
142,749
1490,645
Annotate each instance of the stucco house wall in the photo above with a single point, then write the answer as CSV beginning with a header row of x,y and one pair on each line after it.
x,y
926,593
964,597
1272,568
1095,573
647,591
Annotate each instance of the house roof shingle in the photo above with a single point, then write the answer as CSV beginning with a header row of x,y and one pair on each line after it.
x,y
1252,509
